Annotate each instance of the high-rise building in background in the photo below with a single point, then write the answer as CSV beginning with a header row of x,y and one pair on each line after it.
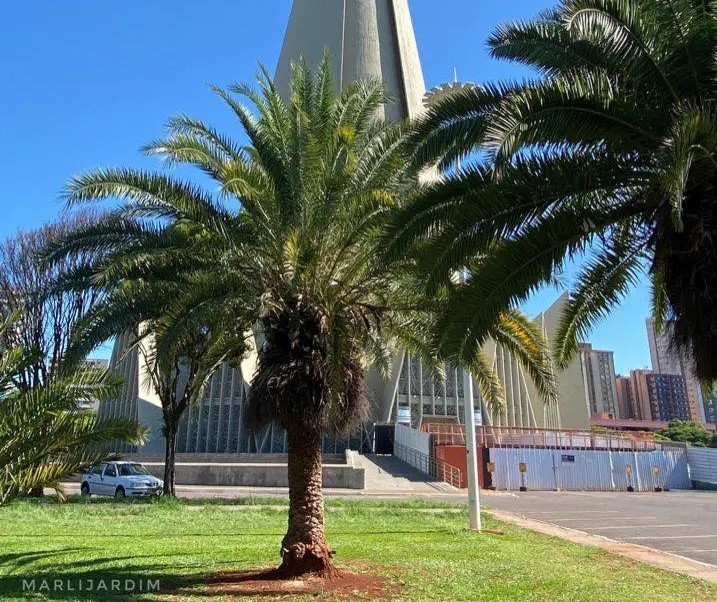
x,y
659,397
670,361
668,397
599,374
625,397
710,406
641,394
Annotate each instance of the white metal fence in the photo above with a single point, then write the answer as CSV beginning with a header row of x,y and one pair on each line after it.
x,y
414,448
589,470
430,466
413,439
703,465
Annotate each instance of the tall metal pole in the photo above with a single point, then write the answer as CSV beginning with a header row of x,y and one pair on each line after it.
x,y
472,449
470,420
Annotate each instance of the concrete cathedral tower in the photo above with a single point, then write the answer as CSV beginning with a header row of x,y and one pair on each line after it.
x,y
364,38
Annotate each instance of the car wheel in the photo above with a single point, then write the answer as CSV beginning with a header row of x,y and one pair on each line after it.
x,y
119,493
85,490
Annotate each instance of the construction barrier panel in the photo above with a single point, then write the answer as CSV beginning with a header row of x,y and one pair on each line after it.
x,y
703,467
589,470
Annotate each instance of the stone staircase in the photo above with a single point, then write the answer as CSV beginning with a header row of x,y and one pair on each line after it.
x,y
388,473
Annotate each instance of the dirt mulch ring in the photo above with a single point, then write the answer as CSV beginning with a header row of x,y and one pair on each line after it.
x,y
346,585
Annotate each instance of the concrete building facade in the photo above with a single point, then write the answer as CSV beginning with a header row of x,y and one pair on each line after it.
x,y
599,374
625,397
667,360
668,397
641,395
659,397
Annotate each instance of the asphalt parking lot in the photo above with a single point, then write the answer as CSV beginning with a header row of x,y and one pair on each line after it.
x,y
680,522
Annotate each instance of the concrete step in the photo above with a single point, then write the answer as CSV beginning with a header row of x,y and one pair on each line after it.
x,y
388,472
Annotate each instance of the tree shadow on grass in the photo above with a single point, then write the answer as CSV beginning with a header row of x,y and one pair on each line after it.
x,y
131,583
139,583
15,560
165,582
162,535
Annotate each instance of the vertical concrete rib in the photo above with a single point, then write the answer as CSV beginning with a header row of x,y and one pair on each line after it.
x,y
222,401
364,38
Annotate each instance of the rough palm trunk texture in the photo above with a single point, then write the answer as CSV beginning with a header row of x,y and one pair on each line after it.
x,y
170,453
304,549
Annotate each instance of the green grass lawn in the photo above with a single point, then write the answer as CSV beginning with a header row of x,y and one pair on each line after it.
x,y
427,548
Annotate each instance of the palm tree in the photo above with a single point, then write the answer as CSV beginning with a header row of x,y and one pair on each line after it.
x,y
286,253
178,365
46,432
607,161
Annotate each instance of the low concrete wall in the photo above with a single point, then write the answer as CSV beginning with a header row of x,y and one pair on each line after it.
x,y
230,458
253,470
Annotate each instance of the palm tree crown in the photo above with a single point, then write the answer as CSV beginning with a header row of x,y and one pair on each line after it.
x,y
608,159
293,260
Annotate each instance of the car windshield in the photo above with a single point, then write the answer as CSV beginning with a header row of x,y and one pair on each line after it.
x,y
127,470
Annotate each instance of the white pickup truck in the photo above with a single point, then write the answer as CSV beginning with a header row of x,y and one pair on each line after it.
x,y
120,479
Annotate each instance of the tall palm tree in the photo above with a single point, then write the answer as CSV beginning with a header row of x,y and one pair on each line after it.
x,y
47,432
287,251
607,160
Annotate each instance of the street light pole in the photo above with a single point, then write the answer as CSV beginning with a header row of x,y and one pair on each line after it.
x,y
472,449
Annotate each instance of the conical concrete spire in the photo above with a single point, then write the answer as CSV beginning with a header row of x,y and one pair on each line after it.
x,y
364,38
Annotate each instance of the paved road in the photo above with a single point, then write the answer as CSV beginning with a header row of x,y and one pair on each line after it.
x,y
681,522
422,491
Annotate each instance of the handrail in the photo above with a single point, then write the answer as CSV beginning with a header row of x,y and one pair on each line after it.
x,y
434,467
502,436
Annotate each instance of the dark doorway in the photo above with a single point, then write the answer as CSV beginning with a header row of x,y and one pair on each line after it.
x,y
384,435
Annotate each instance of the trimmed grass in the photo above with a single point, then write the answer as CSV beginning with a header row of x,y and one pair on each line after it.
x,y
423,546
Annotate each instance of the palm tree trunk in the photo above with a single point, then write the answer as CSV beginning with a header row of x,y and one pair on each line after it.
x,y
304,549
170,452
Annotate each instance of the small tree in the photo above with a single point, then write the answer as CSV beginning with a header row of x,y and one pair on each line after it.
x,y
180,355
180,351
47,316
687,432
178,377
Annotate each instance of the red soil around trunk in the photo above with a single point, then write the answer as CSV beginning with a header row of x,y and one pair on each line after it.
x,y
342,585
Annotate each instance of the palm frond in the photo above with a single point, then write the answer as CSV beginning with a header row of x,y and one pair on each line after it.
x,y
47,435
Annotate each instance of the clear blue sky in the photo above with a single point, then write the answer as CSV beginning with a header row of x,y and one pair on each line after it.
x,y
85,84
